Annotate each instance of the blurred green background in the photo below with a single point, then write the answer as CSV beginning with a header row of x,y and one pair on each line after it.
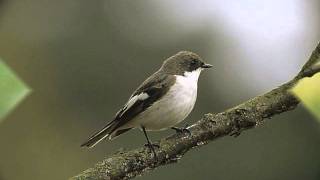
x,y
84,58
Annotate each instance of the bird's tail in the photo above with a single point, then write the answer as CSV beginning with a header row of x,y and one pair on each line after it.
x,y
99,136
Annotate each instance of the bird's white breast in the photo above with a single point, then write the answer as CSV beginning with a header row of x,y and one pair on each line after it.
x,y
174,106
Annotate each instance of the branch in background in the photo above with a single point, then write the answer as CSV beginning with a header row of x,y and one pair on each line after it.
x,y
129,164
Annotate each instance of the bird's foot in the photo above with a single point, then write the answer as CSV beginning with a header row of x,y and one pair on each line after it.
x,y
151,147
182,130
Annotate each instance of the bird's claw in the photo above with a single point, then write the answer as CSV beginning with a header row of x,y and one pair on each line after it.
x,y
151,148
182,130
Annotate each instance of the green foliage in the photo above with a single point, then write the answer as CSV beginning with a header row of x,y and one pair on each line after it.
x,y
12,90
308,91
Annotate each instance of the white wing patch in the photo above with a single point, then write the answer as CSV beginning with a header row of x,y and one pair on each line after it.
x,y
133,100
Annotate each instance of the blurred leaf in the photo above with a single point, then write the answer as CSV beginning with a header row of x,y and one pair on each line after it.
x,y
12,90
308,91
316,65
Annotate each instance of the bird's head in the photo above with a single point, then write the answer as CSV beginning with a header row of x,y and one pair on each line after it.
x,y
184,62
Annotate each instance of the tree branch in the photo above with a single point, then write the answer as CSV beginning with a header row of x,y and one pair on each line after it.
x,y
128,164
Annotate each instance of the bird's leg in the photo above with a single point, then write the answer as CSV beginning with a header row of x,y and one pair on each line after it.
x,y
149,144
182,130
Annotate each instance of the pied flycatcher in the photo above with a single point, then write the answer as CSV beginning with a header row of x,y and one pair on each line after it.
x,y
162,101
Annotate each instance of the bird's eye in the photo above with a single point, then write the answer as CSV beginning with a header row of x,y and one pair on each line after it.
x,y
193,62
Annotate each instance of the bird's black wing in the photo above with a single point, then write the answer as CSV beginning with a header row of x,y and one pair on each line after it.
x,y
149,92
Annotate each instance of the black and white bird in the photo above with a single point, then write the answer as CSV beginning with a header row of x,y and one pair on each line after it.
x,y
162,101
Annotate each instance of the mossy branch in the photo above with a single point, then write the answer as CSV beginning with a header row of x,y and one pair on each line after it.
x,y
129,164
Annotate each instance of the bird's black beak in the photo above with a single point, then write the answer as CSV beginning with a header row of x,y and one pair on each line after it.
x,y
206,66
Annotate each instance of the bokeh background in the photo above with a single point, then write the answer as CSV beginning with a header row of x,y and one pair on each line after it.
x,y
84,58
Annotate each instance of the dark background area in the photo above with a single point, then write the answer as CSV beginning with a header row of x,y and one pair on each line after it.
x,y
84,58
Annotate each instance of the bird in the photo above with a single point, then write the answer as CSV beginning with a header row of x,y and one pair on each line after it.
x,y
161,102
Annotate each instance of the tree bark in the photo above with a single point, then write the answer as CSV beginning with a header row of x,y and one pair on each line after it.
x,y
129,164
